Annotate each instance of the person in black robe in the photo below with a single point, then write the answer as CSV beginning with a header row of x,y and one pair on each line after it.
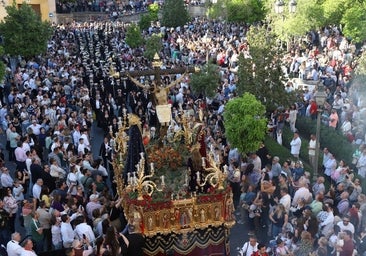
x,y
135,146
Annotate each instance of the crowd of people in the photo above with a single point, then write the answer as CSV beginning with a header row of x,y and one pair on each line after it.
x,y
67,199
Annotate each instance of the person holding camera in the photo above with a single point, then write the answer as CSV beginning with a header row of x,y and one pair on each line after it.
x,y
37,232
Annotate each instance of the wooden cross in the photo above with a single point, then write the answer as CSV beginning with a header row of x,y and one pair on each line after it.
x,y
160,91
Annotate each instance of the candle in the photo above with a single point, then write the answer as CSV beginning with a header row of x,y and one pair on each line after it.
x,y
203,162
162,180
198,176
128,177
124,111
110,128
186,179
142,155
212,148
225,169
152,166
172,196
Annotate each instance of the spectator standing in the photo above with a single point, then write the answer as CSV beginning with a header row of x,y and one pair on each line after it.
x,y
28,248
6,180
250,247
37,232
295,145
13,247
348,245
67,232
11,206
311,151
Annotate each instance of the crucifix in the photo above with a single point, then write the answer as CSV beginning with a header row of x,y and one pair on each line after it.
x,y
163,109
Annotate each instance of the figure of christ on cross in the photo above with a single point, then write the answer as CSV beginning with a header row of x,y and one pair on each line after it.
x,y
160,99
160,92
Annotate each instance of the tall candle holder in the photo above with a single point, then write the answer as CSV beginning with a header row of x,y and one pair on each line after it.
x,y
119,145
140,182
216,176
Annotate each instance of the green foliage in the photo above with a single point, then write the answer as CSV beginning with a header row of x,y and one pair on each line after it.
x,y
2,65
245,11
133,36
151,16
283,153
245,123
153,11
206,81
214,11
248,11
262,75
174,13
334,10
153,45
24,32
309,14
354,20
145,21
332,139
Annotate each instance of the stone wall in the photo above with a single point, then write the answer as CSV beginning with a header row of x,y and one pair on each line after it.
x,y
195,11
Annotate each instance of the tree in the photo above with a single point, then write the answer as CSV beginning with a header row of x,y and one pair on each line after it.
x,y
308,16
154,11
133,36
153,45
151,16
245,123
248,11
174,13
334,10
24,32
206,81
354,21
261,75
2,65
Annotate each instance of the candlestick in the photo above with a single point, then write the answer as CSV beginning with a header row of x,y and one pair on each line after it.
x,y
225,169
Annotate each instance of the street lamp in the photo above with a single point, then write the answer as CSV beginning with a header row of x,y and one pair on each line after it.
x,y
292,6
279,6
320,97
206,40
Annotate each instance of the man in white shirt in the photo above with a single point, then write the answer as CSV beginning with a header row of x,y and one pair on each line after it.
x,y
37,187
13,248
311,150
36,127
302,193
250,247
285,199
84,135
28,248
345,224
6,180
67,232
295,145
83,229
